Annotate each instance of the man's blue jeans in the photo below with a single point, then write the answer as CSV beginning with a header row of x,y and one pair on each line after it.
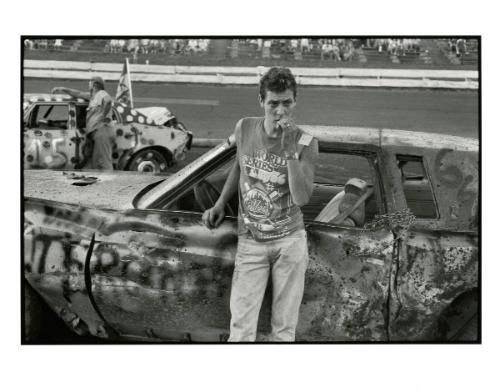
x,y
286,258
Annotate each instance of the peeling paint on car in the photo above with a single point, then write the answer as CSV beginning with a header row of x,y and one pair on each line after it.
x,y
161,274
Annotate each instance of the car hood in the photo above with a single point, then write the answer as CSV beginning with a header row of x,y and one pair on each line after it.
x,y
158,115
113,189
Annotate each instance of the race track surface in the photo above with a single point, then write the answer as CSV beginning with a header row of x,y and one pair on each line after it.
x,y
212,111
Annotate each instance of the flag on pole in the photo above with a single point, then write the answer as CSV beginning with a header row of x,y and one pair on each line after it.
x,y
124,90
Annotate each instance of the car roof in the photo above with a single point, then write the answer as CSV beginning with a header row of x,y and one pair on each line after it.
x,y
380,137
32,98
139,115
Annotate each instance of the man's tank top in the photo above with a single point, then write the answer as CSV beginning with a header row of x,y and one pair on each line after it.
x,y
266,208
98,111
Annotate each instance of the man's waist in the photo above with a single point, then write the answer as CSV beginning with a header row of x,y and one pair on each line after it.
x,y
270,228
94,125
249,232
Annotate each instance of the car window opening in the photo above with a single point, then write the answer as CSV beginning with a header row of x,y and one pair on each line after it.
x,y
51,117
344,190
417,188
343,182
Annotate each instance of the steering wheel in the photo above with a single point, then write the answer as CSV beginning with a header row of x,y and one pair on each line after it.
x,y
206,195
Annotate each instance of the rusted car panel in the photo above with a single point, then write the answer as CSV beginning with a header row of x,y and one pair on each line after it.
x,y
346,285
56,243
438,257
61,143
433,270
452,166
137,267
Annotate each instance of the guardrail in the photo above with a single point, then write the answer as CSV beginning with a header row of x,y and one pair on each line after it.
x,y
349,77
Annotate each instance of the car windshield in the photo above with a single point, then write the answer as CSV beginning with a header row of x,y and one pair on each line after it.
x,y
156,197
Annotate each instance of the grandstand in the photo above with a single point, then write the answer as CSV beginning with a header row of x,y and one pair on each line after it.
x,y
460,51
299,52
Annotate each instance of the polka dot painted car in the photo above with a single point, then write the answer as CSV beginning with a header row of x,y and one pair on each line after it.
x,y
147,139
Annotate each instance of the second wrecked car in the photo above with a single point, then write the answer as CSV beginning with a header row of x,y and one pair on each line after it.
x,y
54,135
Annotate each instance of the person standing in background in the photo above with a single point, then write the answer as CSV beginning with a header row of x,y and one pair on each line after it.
x,y
273,174
98,122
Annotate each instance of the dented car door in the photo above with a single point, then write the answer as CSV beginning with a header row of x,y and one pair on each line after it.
x,y
347,283
163,275
57,248
50,136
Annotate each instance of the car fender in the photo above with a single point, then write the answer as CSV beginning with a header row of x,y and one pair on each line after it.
x,y
132,138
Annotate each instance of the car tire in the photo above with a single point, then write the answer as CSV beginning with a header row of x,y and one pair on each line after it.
x,y
149,160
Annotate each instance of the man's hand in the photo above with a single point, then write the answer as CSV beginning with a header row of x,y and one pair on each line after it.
x,y
213,217
288,135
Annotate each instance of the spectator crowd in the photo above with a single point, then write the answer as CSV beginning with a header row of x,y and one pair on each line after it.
x,y
55,44
334,49
315,49
461,46
154,46
393,46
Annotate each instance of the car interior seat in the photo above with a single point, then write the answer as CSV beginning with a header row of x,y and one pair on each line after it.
x,y
347,208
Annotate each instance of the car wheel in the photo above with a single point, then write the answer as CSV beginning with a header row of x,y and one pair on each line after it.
x,y
150,161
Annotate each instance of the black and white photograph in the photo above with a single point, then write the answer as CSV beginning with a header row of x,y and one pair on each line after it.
x,y
250,196
248,189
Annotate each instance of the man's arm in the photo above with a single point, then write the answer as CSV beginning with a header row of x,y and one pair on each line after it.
x,y
107,102
302,155
301,174
71,91
214,216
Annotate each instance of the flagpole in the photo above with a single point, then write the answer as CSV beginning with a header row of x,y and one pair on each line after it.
x,y
130,84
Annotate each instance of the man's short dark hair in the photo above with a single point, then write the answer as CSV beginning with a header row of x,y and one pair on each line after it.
x,y
277,79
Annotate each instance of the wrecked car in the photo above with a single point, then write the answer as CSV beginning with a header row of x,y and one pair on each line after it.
x,y
54,137
127,257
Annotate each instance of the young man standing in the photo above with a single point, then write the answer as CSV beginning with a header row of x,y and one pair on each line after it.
x,y
273,173
98,121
